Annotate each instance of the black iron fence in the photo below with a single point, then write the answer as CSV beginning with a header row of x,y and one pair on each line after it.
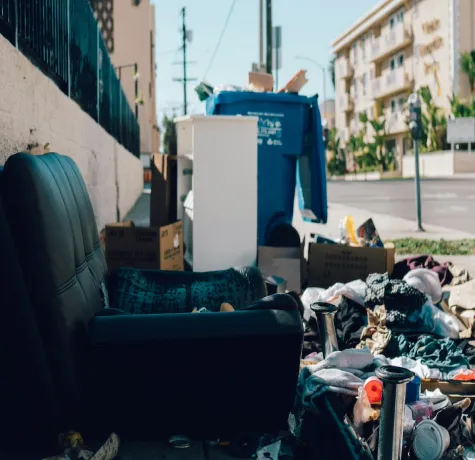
x,y
62,38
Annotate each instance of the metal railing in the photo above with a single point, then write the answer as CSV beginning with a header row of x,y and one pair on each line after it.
x,y
62,38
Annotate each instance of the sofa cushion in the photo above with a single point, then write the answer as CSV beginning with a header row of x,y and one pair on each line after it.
x,y
154,291
55,234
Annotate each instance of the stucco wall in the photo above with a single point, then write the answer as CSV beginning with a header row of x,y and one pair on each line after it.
x,y
440,164
36,116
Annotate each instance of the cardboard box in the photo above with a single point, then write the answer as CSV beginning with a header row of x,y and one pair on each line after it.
x,y
333,263
286,263
164,189
262,81
143,247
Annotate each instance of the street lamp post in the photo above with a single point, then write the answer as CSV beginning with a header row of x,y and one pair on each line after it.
x,y
136,88
324,73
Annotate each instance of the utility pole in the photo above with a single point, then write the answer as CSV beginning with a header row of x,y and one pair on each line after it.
x,y
261,34
186,34
184,38
269,38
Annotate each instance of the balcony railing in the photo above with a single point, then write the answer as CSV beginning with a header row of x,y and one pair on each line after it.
x,y
392,81
62,38
346,102
395,122
346,68
390,41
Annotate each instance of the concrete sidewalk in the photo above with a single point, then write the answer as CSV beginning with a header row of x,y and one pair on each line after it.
x,y
389,227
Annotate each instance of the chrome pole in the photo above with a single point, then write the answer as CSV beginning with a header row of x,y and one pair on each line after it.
x,y
391,425
325,313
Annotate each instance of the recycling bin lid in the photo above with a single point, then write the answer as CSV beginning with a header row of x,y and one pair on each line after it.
x,y
226,97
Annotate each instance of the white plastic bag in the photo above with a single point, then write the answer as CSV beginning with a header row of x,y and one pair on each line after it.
x,y
425,281
363,412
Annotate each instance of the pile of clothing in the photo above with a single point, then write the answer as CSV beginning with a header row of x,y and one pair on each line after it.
x,y
422,318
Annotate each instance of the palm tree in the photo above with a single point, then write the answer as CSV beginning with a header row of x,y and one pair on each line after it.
x,y
434,123
337,162
385,160
460,109
331,70
467,63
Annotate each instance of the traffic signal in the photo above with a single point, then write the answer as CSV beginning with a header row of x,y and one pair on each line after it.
x,y
326,134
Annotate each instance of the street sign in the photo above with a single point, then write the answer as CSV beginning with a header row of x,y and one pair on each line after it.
x,y
461,130
277,54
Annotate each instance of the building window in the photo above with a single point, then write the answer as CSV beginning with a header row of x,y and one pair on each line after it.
x,y
415,7
363,83
393,105
402,103
396,61
363,48
355,88
396,19
355,53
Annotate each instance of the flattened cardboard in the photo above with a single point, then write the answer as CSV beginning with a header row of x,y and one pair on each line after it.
x,y
262,81
145,248
171,247
329,264
282,262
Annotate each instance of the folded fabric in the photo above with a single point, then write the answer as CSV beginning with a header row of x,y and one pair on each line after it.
x,y
349,359
395,294
425,281
430,319
442,354
376,336
416,366
355,291
350,320
312,383
406,265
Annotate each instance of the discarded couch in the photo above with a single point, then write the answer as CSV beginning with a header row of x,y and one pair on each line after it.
x,y
143,375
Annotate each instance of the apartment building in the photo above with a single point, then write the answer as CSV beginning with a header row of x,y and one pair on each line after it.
x,y
327,112
396,48
128,29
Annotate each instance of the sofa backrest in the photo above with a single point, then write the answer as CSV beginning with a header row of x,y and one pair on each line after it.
x,y
53,226
27,392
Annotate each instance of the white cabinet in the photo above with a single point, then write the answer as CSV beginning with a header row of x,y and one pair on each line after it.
x,y
217,160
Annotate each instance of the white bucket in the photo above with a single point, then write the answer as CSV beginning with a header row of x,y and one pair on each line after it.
x,y
430,441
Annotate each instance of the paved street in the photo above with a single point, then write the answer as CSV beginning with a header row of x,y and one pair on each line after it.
x,y
446,203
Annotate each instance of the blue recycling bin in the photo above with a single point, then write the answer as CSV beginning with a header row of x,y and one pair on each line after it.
x,y
290,154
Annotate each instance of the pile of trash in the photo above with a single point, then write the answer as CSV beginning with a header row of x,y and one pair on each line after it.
x,y
368,336
259,82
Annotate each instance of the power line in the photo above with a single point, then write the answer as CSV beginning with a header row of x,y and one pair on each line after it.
x,y
220,39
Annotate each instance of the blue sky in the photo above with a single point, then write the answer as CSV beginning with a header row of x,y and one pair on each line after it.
x,y
308,28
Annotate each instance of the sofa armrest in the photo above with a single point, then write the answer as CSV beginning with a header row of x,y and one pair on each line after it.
x,y
123,329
